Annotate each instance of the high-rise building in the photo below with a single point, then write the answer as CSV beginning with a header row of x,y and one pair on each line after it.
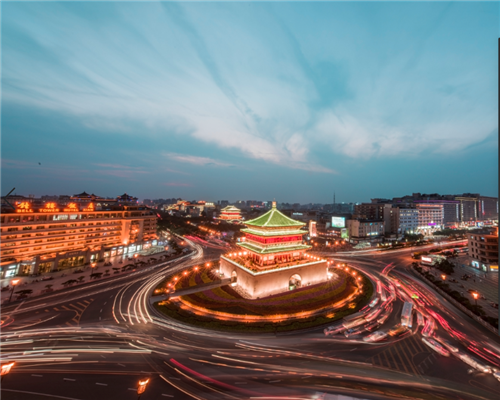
x,y
430,216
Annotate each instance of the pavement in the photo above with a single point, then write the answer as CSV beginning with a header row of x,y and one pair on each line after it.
x,y
39,284
484,283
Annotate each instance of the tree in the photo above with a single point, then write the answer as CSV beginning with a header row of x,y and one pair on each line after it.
x,y
445,266
80,279
413,237
48,287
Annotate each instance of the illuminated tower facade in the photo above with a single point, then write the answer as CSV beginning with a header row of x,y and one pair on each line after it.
x,y
273,257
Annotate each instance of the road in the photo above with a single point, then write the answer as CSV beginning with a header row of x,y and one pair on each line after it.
x,y
97,341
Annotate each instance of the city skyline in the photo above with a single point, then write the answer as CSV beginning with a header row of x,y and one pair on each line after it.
x,y
277,100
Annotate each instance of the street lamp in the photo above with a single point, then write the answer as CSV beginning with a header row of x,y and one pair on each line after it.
x,y
475,295
443,277
92,266
142,387
14,282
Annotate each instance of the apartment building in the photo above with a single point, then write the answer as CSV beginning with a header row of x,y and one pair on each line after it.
x,y
54,236
483,249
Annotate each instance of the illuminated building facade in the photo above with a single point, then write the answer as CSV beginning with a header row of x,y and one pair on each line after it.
x,y
483,249
273,257
52,236
230,213
363,230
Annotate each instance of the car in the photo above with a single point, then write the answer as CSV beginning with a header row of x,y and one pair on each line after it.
x,y
375,336
397,330
334,329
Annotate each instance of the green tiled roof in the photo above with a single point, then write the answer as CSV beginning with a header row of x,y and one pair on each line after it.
x,y
231,208
271,250
274,233
273,219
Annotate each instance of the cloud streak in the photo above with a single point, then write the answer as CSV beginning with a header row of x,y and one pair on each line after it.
x,y
264,88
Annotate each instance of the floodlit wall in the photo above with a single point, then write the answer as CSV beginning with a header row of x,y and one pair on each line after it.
x,y
275,281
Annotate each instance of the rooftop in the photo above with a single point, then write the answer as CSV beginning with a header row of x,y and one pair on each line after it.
x,y
274,219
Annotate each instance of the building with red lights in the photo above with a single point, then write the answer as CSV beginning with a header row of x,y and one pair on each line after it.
x,y
273,257
230,213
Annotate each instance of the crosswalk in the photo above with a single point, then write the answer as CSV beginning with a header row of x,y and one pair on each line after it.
x,y
78,307
409,355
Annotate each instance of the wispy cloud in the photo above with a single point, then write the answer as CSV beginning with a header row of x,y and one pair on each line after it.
x,y
205,161
262,87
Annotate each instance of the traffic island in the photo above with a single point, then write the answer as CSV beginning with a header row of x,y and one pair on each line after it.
x,y
225,308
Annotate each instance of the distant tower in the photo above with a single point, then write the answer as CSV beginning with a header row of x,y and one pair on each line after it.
x,y
334,206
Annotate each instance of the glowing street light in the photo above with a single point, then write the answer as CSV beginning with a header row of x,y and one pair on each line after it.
x,y
475,295
143,383
443,277
13,282
92,266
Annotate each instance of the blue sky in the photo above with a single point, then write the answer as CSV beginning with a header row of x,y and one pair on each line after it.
x,y
250,100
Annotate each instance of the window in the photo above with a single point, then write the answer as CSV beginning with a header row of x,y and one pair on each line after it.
x,y
12,230
11,237
40,227
27,235
25,242
27,228
39,234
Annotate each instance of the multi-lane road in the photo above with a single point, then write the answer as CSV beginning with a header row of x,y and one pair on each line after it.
x,y
97,342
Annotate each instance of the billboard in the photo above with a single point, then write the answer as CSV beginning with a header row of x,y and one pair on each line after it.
x,y
338,222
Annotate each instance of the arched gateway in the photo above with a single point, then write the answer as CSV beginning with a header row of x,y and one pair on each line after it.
x,y
295,282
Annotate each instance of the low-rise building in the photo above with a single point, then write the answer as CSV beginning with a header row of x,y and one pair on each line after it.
x,y
360,230
483,249
52,236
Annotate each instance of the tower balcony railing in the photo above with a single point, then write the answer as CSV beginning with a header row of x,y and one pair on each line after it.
x,y
247,260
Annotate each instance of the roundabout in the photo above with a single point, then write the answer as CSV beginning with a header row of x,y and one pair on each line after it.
x,y
192,300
